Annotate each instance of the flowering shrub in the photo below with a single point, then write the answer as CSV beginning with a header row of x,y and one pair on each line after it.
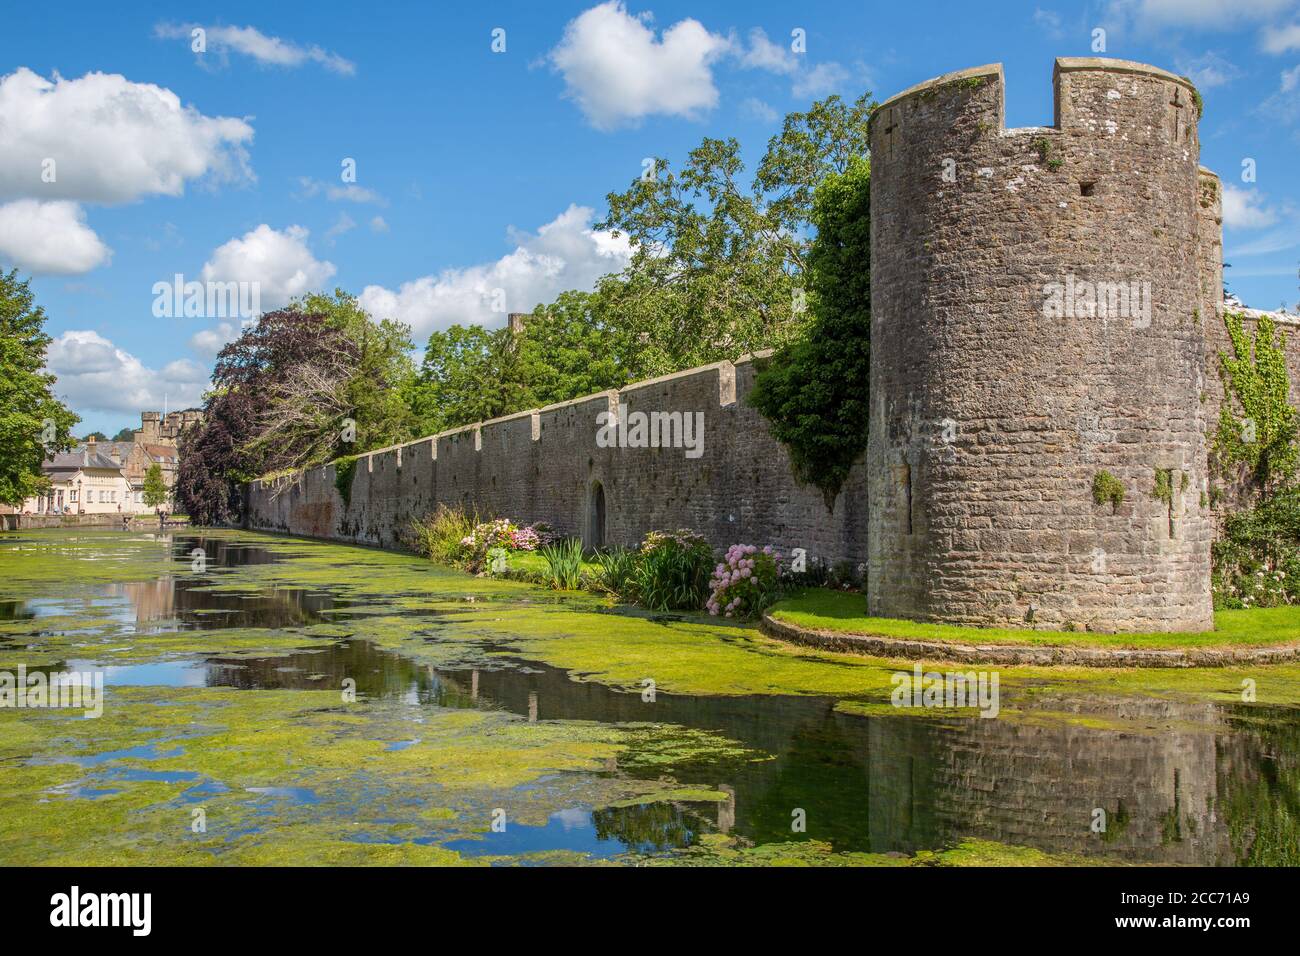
x,y
485,536
523,539
745,583
1265,587
1256,560
533,537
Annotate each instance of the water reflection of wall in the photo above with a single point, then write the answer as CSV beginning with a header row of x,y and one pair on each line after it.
x,y
184,601
905,782
1182,782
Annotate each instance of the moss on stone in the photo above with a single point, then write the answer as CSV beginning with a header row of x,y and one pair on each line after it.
x,y
1107,488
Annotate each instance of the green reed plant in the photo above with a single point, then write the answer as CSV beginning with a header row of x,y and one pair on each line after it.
x,y
441,536
618,571
564,564
673,571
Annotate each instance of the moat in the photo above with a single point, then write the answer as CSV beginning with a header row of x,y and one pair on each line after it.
x,y
278,700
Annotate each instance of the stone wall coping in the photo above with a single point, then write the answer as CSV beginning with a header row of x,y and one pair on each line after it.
x,y
1286,318
671,376
1029,655
526,413
580,400
1073,64
750,357
988,69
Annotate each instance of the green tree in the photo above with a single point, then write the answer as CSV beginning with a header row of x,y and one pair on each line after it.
x,y
716,268
347,397
1256,450
125,434
381,373
155,489
568,349
468,375
814,391
96,436
33,423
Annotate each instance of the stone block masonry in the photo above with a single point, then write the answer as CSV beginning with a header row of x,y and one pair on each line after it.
x,y
1036,320
547,464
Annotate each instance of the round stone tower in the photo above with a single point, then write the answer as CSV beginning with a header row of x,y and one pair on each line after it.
x,y
1037,451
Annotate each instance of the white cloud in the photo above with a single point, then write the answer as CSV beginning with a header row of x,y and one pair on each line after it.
x,y
210,341
347,192
344,223
251,42
1208,70
111,140
1284,105
278,260
1049,22
1275,240
49,238
1282,39
378,224
96,375
757,109
618,71
1245,209
1196,14
821,79
564,254
763,54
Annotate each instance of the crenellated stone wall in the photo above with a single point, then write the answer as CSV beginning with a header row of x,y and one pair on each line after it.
x,y
546,465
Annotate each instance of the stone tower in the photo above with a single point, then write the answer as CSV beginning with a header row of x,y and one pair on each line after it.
x,y
1037,311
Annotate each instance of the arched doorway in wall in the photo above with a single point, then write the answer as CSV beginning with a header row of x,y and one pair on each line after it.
x,y
595,516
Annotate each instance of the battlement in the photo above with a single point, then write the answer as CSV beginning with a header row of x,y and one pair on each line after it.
x,y
699,458
947,118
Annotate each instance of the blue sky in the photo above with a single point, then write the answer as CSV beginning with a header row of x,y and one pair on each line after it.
x,y
479,170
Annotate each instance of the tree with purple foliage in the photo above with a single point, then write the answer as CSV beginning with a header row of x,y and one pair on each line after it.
x,y
302,386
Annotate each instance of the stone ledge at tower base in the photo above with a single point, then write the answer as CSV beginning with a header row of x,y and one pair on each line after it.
x,y
876,645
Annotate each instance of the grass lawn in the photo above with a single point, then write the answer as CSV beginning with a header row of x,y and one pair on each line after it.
x,y
531,566
825,610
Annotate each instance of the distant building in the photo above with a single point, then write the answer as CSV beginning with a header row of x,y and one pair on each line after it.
x,y
103,477
84,481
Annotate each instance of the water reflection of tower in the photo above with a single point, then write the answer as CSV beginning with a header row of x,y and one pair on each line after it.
x,y
1038,783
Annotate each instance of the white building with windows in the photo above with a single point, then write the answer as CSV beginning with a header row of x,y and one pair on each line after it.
x,y
84,481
